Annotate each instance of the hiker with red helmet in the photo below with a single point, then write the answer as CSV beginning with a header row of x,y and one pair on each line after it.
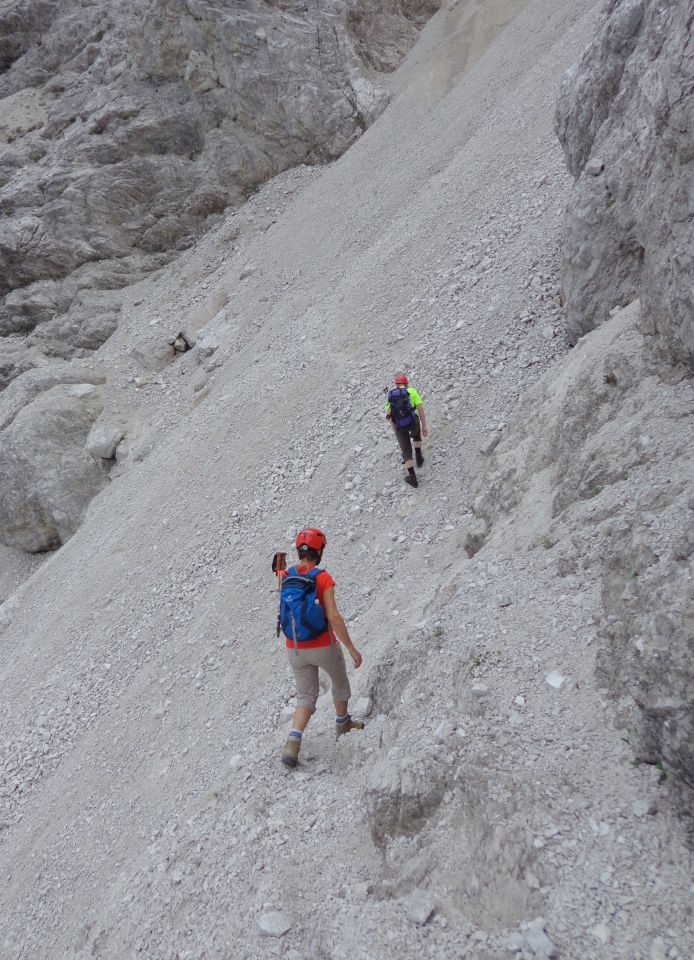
x,y
405,411
312,625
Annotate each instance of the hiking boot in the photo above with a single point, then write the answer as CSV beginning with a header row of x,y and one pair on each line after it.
x,y
419,457
411,478
346,726
290,754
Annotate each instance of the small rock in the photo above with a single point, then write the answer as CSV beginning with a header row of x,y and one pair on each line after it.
x,y
601,932
7,610
235,761
419,906
490,445
503,600
514,943
641,808
273,924
246,273
594,167
547,332
82,390
444,730
361,707
103,440
537,940
480,690
658,951
519,701
555,680
207,344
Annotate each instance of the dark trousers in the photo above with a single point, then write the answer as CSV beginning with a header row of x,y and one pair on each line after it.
x,y
406,435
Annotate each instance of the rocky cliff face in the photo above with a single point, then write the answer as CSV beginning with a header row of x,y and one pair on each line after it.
x,y
597,463
597,467
125,126
625,119
125,129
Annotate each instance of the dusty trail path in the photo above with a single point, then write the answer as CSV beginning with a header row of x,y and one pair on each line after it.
x,y
144,809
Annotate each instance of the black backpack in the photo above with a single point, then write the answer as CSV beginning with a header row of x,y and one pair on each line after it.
x,y
401,410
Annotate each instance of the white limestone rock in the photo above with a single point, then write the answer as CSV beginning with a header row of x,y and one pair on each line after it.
x,y
622,118
274,924
47,479
103,440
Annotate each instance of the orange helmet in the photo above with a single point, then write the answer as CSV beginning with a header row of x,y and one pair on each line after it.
x,y
311,538
401,379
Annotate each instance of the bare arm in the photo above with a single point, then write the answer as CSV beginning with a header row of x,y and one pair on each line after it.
x,y
423,420
338,625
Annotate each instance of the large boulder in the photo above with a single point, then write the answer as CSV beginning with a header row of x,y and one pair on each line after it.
x,y
47,478
625,118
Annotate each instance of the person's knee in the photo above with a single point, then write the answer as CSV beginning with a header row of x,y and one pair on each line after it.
x,y
307,701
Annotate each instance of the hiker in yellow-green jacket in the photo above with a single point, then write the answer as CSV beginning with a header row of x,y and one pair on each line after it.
x,y
405,411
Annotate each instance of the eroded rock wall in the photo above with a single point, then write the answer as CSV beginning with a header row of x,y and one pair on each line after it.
x,y
625,118
596,466
125,126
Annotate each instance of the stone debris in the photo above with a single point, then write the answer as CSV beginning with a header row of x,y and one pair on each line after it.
x,y
601,932
642,807
537,941
419,906
555,680
103,441
360,707
273,924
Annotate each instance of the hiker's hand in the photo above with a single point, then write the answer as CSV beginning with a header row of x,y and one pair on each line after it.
x,y
425,431
356,657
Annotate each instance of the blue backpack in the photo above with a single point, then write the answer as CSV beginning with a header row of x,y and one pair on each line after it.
x,y
401,410
301,616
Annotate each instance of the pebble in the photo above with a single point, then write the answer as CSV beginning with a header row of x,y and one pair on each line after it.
x,y
419,906
82,390
555,680
641,808
361,707
444,730
601,932
537,940
273,924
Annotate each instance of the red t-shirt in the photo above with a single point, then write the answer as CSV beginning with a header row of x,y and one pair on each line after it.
x,y
323,581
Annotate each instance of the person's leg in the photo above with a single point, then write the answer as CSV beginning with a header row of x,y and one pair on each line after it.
x,y
416,434
403,435
306,677
332,660
301,717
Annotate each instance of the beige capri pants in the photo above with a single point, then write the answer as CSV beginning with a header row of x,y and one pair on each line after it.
x,y
305,665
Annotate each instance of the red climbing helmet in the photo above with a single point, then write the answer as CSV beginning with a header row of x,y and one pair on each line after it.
x,y
311,538
401,379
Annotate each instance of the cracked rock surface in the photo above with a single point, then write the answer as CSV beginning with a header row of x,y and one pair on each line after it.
x,y
625,118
